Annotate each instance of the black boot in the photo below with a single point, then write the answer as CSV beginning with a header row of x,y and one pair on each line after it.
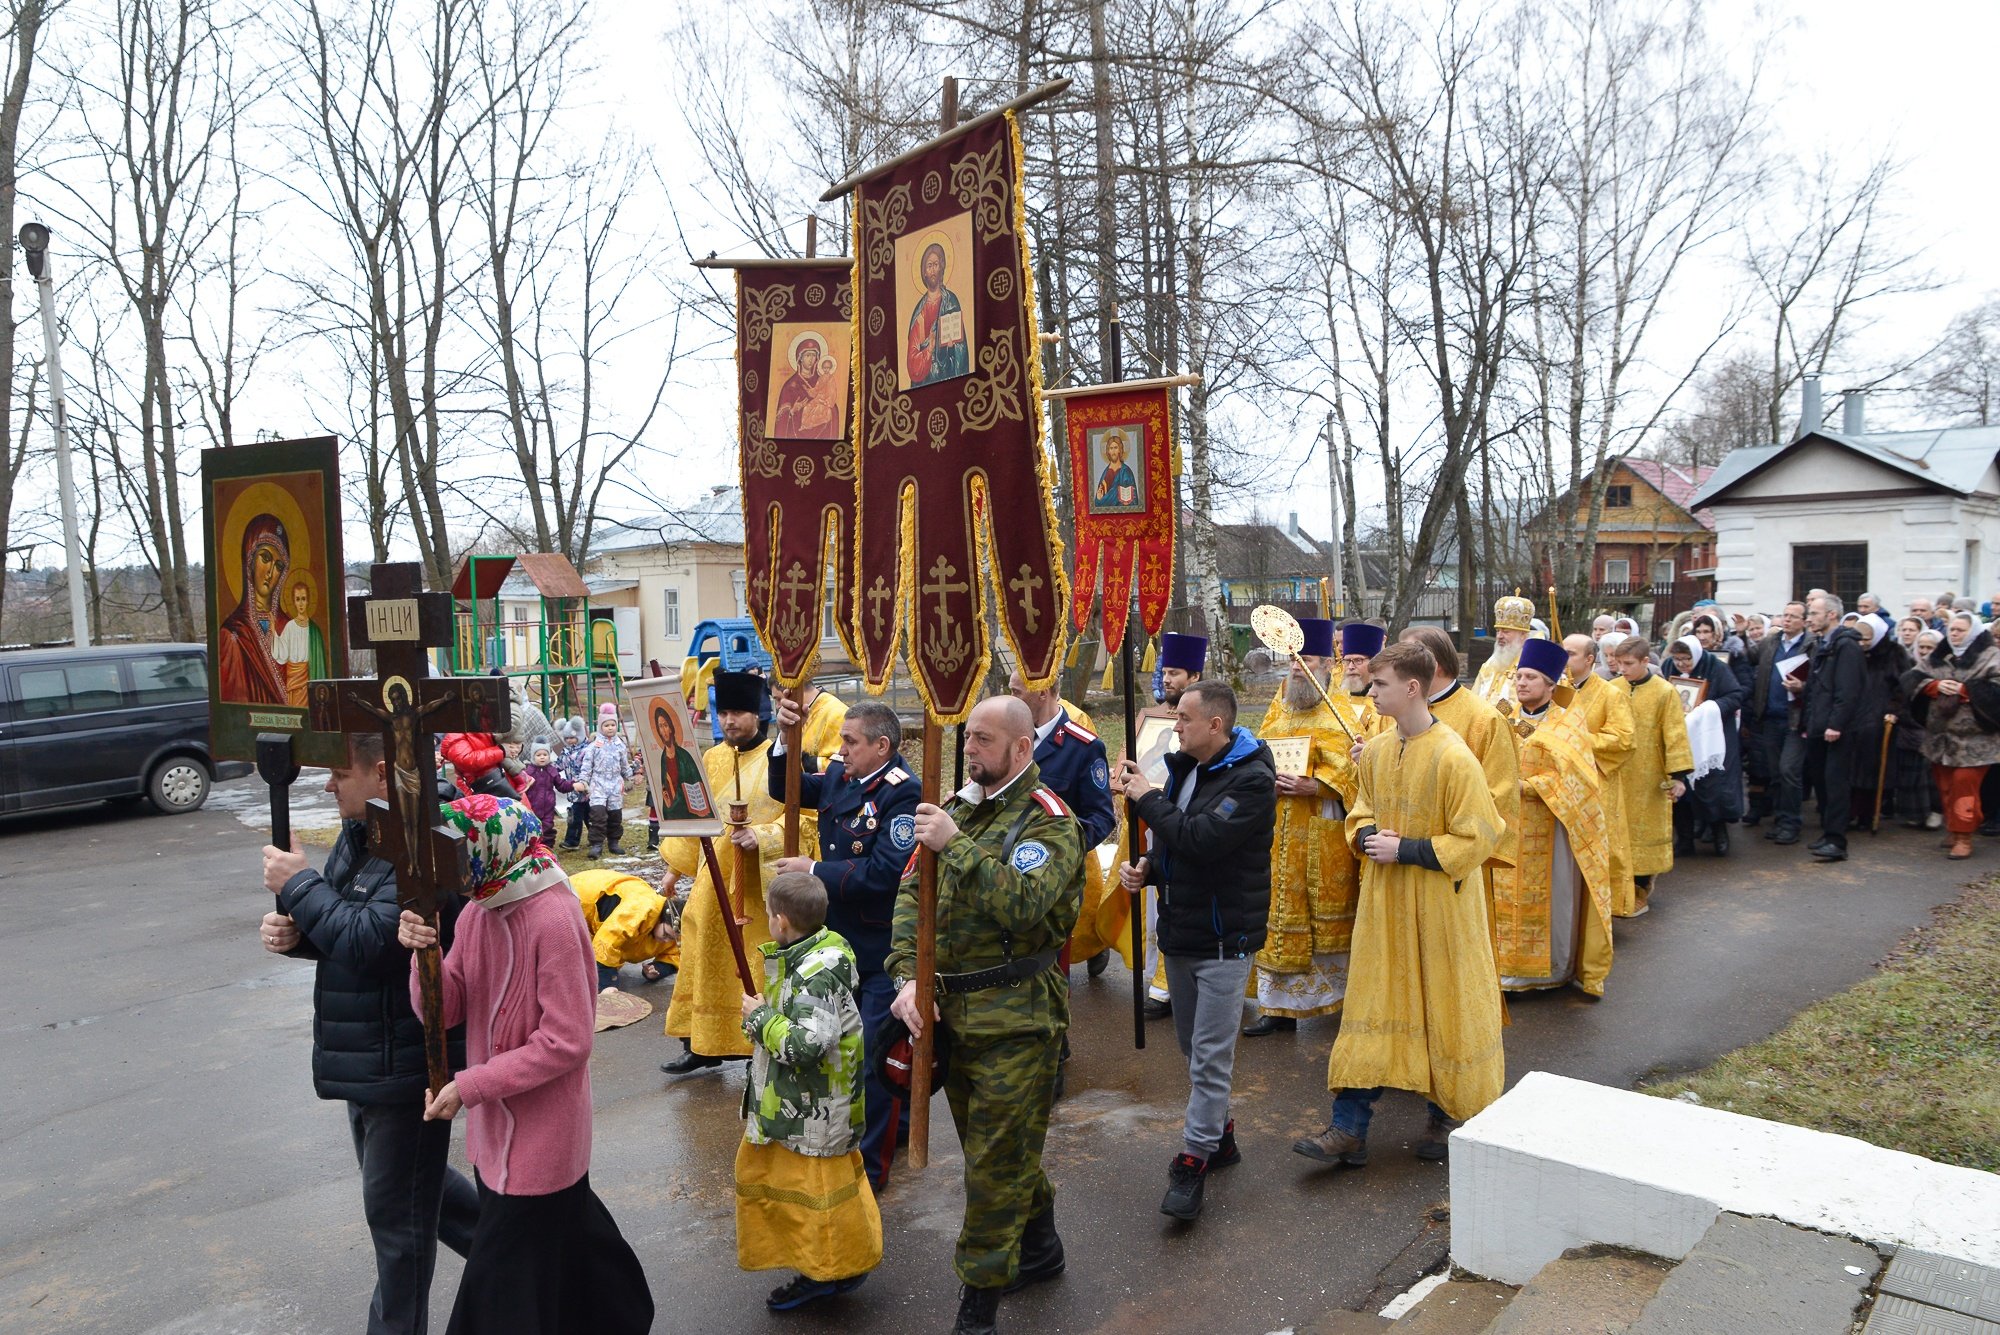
x,y
1041,1251
977,1309
1098,963
689,1060
1721,830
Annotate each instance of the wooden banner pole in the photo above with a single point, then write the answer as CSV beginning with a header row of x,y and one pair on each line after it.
x,y
1135,832
794,765
924,1044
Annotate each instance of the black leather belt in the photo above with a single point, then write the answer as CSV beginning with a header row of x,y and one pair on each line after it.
x,y
1011,974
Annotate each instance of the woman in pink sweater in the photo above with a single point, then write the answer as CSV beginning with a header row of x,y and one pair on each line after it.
x,y
546,1257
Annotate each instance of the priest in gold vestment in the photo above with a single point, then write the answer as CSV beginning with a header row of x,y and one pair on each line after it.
x,y
706,1012
1656,775
1554,904
1423,1010
1513,624
1607,711
1302,969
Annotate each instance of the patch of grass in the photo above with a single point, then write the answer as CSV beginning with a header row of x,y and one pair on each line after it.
x,y
1909,1059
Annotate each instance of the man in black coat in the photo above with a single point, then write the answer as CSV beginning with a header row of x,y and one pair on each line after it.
x,y
1774,747
1211,857
368,1045
1833,709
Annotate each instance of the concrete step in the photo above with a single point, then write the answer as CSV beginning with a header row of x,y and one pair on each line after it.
x,y
1458,1307
1586,1291
1760,1277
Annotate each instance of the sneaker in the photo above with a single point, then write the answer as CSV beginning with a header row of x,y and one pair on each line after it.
x,y
1434,1145
1934,821
797,1292
1186,1177
801,1291
1226,1154
1333,1146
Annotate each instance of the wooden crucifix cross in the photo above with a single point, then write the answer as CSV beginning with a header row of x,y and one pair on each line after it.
x,y
407,705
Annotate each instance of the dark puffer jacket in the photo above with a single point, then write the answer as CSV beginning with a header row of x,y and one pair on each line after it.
x,y
1213,860
368,1045
1835,685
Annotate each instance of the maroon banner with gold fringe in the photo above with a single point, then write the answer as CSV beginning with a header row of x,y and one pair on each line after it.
x,y
794,358
955,502
1121,461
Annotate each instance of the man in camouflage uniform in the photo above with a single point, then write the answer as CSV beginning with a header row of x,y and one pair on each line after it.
x,y
1010,885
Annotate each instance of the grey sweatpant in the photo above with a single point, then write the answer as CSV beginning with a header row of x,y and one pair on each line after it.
x,y
1208,1014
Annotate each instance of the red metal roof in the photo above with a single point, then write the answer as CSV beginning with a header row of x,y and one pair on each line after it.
x,y
553,575
1676,483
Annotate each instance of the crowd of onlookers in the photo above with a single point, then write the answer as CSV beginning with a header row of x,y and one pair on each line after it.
x,y
1873,714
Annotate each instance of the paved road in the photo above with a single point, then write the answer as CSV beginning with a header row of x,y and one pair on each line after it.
x,y
164,1166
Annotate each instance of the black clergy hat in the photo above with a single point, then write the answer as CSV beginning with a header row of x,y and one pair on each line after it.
x,y
741,692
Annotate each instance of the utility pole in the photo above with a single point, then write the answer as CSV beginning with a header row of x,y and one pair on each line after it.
x,y
35,245
1339,610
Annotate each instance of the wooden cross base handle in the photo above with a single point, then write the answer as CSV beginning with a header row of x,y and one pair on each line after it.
x,y
430,988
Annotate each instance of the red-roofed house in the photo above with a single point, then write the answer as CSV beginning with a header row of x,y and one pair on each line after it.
x,y
1652,551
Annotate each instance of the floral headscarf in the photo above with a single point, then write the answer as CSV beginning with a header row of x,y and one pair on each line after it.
x,y
503,848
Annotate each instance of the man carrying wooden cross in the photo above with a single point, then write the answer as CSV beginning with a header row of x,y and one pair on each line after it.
x,y
368,1047
1010,885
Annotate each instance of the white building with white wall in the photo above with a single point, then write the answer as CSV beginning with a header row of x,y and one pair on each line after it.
x,y
1903,514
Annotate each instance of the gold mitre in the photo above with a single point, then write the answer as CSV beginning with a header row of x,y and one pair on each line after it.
x,y
1513,613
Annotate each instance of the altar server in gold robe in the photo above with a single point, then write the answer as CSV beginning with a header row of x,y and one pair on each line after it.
x,y
1656,775
706,1013
1607,711
1423,1010
1302,969
1554,904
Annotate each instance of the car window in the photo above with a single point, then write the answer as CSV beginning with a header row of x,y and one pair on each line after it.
x,y
78,688
168,679
43,692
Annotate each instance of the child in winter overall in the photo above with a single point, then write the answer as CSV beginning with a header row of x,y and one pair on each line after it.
x,y
802,1196
604,769
547,781
546,1257
572,738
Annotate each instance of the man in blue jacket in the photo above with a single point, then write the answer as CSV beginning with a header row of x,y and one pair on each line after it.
x,y
867,802
1211,857
368,1045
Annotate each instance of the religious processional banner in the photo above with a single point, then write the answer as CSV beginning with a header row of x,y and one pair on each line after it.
x,y
794,363
954,495
1121,461
277,592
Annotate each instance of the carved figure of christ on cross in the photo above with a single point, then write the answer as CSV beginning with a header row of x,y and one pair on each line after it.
x,y
399,622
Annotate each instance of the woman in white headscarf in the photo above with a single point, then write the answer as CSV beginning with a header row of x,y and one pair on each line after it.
x,y
1883,663
1956,692
1715,799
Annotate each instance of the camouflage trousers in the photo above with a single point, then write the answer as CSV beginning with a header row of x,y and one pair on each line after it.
x,y
1000,1090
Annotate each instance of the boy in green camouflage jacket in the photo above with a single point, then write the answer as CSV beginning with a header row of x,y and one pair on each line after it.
x,y
802,1196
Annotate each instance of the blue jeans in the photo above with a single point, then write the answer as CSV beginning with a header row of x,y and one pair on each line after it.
x,y
1353,1109
886,1115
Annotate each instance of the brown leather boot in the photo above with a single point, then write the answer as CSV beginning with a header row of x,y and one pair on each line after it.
x,y
1961,847
1333,1146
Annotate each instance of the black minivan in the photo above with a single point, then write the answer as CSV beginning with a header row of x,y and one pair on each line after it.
x,y
83,725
